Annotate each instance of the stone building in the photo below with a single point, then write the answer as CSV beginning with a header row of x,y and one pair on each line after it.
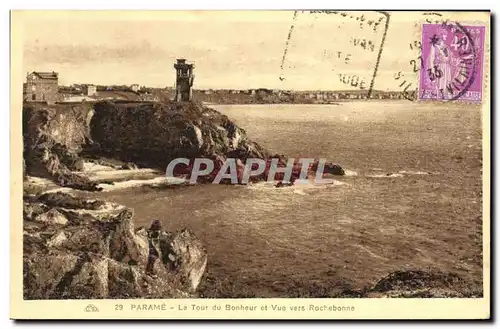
x,y
89,90
42,87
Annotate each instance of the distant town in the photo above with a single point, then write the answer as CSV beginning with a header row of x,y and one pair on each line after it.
x,y
44,87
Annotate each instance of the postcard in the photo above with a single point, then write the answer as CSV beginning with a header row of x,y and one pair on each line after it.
x,y
309,164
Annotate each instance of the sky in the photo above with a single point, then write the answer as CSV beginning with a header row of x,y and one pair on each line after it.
x,y
230,49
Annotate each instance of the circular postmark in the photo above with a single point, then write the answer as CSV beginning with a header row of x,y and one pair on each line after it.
x,y
450,61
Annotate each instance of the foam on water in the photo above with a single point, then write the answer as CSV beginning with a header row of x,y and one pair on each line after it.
x,y
348,172
119,173
300,186
411,172
142,182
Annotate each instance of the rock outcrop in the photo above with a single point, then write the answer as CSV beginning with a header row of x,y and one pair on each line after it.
x,y
58,137
88,249
152,134
77,248
53,136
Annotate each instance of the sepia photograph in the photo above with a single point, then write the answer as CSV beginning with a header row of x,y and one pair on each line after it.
x,y
314,155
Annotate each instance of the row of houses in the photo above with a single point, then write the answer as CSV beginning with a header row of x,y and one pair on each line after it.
x,y
309,95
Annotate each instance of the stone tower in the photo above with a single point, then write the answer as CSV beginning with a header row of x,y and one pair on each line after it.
x,y
184,81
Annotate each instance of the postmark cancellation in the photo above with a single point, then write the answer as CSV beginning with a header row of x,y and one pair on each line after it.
x,y
452,62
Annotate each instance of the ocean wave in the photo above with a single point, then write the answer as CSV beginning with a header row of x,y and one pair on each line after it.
x,y
299,187
348,172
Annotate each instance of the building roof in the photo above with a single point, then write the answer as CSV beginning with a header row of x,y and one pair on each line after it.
x,y
46,75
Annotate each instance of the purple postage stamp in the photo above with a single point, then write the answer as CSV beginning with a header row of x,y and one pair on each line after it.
x,y
452,62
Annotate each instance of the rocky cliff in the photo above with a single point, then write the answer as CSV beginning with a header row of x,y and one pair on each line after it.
x,y
78,248
57,137
89,249
53,137
152,134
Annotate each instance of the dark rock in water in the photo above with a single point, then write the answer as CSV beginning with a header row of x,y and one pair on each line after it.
x,y
94,255
333,169
329,168
283,184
